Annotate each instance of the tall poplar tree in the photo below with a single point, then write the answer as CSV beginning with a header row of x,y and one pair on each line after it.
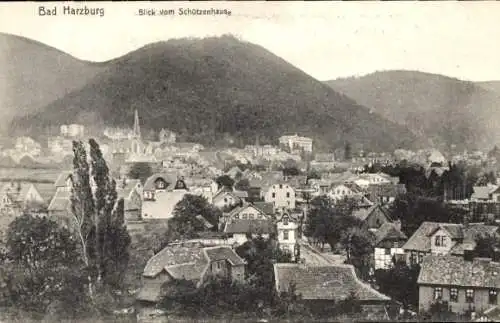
x,y
82,207
100,217
112,239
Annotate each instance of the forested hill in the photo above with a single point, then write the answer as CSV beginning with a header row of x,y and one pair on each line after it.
x,y
210,88
34,75
446,110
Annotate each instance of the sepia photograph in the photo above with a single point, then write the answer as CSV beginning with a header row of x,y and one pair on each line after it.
x,y
220,161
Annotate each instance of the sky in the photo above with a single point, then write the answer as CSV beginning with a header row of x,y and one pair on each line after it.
x,y
327,40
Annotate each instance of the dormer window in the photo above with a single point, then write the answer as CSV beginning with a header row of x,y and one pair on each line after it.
x,y
285,220
160,184
440,241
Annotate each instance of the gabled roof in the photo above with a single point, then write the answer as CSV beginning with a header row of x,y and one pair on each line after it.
x,y
249,226
456,271
170,178
421,240
481,193
364,213
182,261
389,231
335,282
173,255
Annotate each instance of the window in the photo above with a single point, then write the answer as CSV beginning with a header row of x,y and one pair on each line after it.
x,y
287,194
493,296
225,200
453,294
285,234
420,257
438,293
285,220
218,265
273,195
469,296
387,251
281,185
440,241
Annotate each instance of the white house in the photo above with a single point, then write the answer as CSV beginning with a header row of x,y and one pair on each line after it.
x,y
282,195
389,241
339,192
287,232
225,199
161,193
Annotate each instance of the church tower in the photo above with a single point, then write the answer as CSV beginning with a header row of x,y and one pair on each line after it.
x,y
136,135
137,127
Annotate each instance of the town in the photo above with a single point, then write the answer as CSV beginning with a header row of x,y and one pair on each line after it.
x,y
310,235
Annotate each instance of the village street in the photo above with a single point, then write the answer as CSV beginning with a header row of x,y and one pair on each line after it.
x,y
315,258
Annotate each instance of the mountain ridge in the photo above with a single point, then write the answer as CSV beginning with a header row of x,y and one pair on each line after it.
x,y
209,88
447,110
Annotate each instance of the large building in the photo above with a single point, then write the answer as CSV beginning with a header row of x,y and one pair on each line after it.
x,y
465,284
296,143
72,130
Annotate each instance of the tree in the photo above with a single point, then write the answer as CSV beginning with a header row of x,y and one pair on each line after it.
x,y
413,209
141,171
291,171
82,208
225,181
313,175
400,283
112,238
43,265
487,246
98,217
186,223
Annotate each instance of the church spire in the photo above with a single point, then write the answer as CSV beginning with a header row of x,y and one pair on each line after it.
x,y
137,127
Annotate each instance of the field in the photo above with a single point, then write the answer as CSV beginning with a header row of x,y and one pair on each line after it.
x,y
33,175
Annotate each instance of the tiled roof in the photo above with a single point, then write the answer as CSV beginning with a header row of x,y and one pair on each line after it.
x,y
182,262
324,283
224,253
363,213
170,178
188,271
389,231
456,271
173,255
420,240
245,226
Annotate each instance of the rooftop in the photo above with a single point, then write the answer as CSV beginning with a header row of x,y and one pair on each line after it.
x,y
324,283
456,271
